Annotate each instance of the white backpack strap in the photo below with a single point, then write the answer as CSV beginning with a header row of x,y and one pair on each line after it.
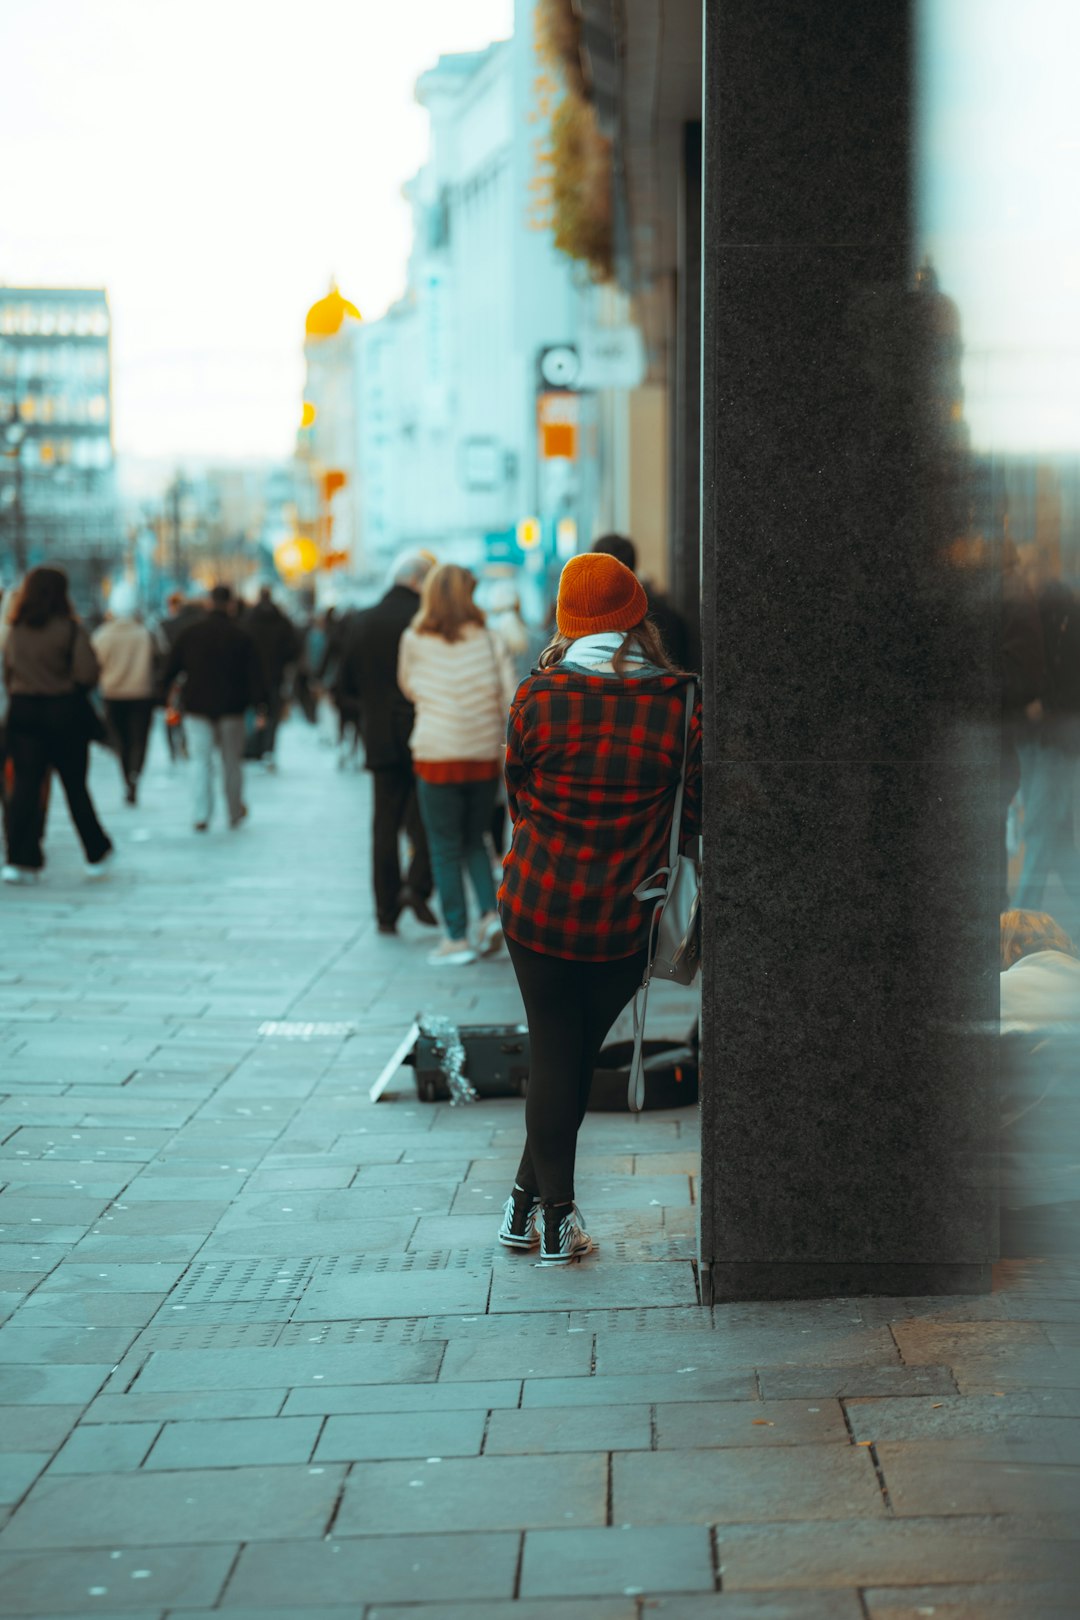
x,y
635,1091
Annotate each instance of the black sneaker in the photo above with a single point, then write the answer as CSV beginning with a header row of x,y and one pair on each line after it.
x,y
563,1238
520,1220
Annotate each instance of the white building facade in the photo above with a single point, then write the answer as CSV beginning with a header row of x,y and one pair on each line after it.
x,y
448,379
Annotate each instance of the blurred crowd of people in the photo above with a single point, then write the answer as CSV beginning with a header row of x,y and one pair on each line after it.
x,y
415,688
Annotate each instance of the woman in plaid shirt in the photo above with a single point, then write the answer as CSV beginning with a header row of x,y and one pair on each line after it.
x,y
593,758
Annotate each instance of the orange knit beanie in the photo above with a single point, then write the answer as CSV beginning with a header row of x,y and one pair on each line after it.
x,y
596,593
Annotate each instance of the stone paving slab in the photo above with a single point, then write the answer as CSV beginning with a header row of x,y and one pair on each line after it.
x,y
51,1386
634,1561
379,1436
738,1423
746,1484
1039,1601
287,1574
523,1609
388,1498
153,1510
944,1477
581,1428
895,1552
455,1397
77,1582
101,1449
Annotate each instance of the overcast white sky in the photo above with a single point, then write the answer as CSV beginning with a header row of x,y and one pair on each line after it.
x,y
1000,209
212,163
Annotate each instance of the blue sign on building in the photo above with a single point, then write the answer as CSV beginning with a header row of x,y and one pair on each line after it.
x,y
500,546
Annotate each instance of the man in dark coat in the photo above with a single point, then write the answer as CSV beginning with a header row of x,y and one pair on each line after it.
x,y
278,645
673,628
367,684
222,679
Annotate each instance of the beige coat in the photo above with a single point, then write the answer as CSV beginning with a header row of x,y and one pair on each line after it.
x,y
125,651
461,691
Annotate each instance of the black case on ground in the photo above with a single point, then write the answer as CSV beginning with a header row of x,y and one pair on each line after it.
x,y
497,1065
671,1076
496,1062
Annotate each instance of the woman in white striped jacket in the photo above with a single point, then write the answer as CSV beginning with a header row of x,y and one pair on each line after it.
x,y
460,678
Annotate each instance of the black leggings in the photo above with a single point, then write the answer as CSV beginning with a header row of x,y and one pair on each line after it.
x,y
570,1006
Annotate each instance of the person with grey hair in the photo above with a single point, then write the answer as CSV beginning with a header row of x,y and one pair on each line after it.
x,y
367,681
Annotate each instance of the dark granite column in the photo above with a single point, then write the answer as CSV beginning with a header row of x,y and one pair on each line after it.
x,y
851,769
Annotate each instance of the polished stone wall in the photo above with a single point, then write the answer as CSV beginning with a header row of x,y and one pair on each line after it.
x,y
851,764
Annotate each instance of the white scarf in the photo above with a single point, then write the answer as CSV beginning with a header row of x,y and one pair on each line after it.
x,y
598,651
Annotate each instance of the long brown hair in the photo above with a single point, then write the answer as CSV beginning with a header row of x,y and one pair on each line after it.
x,y
446,603
644,636
42,596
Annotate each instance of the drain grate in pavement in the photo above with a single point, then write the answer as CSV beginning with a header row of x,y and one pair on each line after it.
x,y
512,1324
387,1330
284,1030
209,1336
644,1319
674,1248
352,1265
223,1312
232,1282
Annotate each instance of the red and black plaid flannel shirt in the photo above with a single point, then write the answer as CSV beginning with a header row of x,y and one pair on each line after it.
x,y
592,766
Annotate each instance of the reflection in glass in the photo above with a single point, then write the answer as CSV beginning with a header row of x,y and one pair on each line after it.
x,y
999,149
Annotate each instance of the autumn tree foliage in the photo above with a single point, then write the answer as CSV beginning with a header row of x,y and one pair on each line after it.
x,y
581,157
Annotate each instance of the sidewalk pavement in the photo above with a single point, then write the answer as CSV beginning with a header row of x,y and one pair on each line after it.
x,y
263,1354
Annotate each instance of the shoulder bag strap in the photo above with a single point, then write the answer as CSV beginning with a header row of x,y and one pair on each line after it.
x,y
635,1092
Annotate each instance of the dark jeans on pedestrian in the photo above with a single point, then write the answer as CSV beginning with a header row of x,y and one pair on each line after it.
x,y
49,733
395,811
570,1007
457,815
128,722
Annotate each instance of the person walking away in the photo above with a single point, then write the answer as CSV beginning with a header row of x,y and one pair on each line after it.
x,y
222,679
278,645
672,627
593,762
367,677
125,653
49,665
460,677
1048,758
181,613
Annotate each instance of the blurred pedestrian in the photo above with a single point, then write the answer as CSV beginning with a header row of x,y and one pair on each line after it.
x,y
278,645
49,668
593,762
460,677
125,655
367,677
222,679
1049,750
673,628
180,613
337,629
